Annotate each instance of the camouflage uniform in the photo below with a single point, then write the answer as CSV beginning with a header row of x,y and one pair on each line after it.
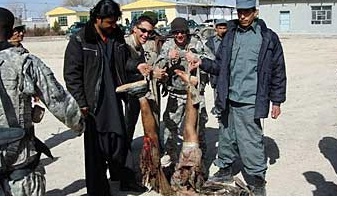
x,y
175,109
144,53
24,75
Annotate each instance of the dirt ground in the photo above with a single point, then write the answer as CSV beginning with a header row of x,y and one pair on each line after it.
x,y
301,145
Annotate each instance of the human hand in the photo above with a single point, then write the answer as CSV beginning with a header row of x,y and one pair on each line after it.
x,y
186,78
144,69
85,111
159,73
193,60
275,111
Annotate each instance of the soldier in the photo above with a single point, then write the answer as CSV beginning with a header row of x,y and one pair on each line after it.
x,y
173,56
137,67
19,31
23,75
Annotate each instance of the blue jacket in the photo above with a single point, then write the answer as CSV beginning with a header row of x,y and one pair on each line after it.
x,y
271,83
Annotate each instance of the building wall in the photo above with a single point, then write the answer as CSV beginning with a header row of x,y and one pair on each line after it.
x,y
198,14
300,16
170,14
71,19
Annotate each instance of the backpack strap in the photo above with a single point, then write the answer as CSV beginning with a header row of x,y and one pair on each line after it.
x,y
8,105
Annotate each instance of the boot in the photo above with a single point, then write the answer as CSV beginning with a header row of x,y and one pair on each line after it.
x,y
258,190
258,186
223,175
137,89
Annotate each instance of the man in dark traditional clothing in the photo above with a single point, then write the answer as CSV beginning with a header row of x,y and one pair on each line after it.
x,y
94,65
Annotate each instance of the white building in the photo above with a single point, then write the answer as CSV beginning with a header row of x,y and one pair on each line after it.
x,y
300,16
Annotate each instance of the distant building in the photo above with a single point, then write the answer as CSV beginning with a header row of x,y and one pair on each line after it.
x,y
300,16
32,23
197,10
66,16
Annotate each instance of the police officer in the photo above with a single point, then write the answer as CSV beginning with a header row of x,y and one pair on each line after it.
x,y
173,56
251,77
22,75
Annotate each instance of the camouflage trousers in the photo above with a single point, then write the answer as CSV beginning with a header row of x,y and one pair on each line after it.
x,y
173,119
33,184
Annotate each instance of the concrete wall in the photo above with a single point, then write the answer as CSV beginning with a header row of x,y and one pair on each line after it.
x,y
300,17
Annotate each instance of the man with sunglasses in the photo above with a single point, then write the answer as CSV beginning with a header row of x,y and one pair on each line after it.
x,y
173,56
251,76
94,66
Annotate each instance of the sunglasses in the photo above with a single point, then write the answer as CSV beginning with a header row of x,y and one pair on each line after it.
x,y
143,30
179,31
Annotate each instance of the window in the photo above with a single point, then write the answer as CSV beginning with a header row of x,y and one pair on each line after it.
x,y
83,19
321,15
63,21
160,14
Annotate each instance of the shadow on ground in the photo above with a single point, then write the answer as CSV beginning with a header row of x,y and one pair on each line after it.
x,y
328,147
59,138
271,150
323,187
70,189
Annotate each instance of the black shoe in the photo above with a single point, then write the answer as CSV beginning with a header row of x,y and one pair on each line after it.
x,y
223,175
258,190
132,186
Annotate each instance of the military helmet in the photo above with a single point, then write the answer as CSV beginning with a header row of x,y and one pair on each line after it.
x,y
179,24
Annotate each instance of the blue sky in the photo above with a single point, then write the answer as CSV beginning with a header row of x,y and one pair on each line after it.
x,y
37,8
34,8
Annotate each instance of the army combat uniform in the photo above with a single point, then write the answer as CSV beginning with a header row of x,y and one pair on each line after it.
x,y
22,76
175,109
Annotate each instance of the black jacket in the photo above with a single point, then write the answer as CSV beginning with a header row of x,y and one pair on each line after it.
x,y
271,73
83,64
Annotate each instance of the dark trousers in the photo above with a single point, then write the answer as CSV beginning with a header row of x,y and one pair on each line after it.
x,y
132,111
102,151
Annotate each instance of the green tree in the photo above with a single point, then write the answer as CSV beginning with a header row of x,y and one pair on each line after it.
x,y
56,27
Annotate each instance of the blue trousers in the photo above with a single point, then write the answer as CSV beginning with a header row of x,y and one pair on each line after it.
x,y
241,136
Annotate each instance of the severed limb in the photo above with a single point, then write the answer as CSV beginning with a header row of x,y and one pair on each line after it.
x,y
188,176
153,176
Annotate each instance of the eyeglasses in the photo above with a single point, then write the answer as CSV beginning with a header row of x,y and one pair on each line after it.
x,y
143,30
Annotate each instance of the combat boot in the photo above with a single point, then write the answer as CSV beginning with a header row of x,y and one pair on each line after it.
x,y
223,175
258,190
258,186
137,89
